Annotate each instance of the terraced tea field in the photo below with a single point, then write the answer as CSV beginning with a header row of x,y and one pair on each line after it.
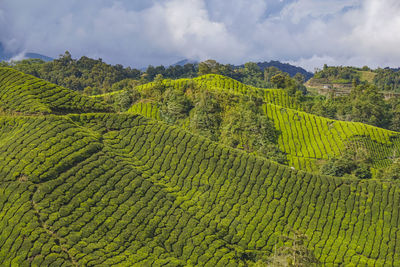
x,y
29,95
308,140
218,83
120,189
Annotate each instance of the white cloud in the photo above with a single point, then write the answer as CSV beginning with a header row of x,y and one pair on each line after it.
x,y
138,33
376,30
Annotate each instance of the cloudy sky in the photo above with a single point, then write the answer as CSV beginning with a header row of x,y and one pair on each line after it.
x,y
137,33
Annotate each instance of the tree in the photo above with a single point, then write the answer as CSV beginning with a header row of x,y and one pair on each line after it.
x,y
294,252
206,115
270,72
279,80
126,99
209,66
156,91
65,59
395,114
355,161
246,128
299,78
365,104
175,105
252,68
392,172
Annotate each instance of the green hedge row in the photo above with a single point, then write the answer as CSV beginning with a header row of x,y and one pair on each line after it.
x,y
138,191
219,82
26,94
308,139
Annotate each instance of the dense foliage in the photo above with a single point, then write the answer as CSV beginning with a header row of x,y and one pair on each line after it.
x,y
204,106
27,94
364,103
93,76
333,74
285,67
97,189
388,79
233,110
96,77
120,189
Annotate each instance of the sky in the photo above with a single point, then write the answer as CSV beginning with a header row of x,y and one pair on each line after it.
x,y
137,33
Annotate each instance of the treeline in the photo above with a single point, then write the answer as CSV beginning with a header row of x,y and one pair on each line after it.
x,y
386,79
285,67
338,74
252,74
93,76
85,74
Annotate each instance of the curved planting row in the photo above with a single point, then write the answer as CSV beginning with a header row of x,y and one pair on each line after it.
x,y
24,93
307,138
155,194
219,82
148,109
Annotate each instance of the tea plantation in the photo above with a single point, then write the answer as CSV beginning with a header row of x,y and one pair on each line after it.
x,y
106,189
307,139
29,95
219,82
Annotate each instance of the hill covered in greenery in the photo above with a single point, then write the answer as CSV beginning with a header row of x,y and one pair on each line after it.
x,y
387,79
27,94
120,189
93,76
99,188
285,67
307,141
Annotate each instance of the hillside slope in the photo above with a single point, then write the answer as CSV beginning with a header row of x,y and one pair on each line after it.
x,y
219,82
308,140
108,189
27,94
120,189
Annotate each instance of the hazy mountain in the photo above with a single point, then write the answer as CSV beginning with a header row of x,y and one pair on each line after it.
x,y
39,56
285,67
5,55
185,61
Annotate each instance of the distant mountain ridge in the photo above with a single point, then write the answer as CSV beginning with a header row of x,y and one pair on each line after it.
x,y
38,56
5,55
285,67
185,61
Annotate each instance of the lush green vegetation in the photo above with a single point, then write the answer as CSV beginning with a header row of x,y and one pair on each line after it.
x,y
215,106
363,103
386,79
209,82
212,105
121,189
27,94
333,74
94,77
86,74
